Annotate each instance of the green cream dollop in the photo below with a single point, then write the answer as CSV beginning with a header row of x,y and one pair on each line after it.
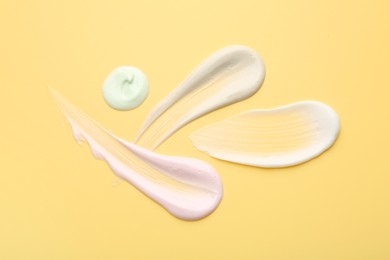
x,y
125,88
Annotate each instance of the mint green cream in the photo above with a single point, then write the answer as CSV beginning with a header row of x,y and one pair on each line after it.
x,y
125,88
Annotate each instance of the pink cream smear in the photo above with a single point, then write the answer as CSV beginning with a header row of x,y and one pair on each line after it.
x,y
187,188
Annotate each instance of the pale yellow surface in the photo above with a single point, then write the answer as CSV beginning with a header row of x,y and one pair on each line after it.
x,y
58,202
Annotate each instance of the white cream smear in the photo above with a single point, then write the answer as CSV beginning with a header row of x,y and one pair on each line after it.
x,y
271,138
230,75
188,188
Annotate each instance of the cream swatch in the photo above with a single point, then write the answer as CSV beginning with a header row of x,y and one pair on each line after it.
x,y
271,138
231,74
125,88
188,188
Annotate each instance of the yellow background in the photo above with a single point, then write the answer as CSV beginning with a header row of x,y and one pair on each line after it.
x,y
58,202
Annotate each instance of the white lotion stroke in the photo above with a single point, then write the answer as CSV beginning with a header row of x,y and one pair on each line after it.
x,y
230,75
271,138
188,188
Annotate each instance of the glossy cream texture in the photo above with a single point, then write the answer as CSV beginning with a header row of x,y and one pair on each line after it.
x,y
271,138
125,88
231,74
188,188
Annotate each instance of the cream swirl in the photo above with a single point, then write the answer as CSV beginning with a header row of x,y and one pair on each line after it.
x,y
125,88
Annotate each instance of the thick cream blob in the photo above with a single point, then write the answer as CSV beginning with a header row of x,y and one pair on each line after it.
x,y
125,88
188,188
271,138
231,74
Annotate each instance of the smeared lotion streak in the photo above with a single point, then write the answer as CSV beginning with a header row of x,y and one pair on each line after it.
x,y
271,138
232,74
188,188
